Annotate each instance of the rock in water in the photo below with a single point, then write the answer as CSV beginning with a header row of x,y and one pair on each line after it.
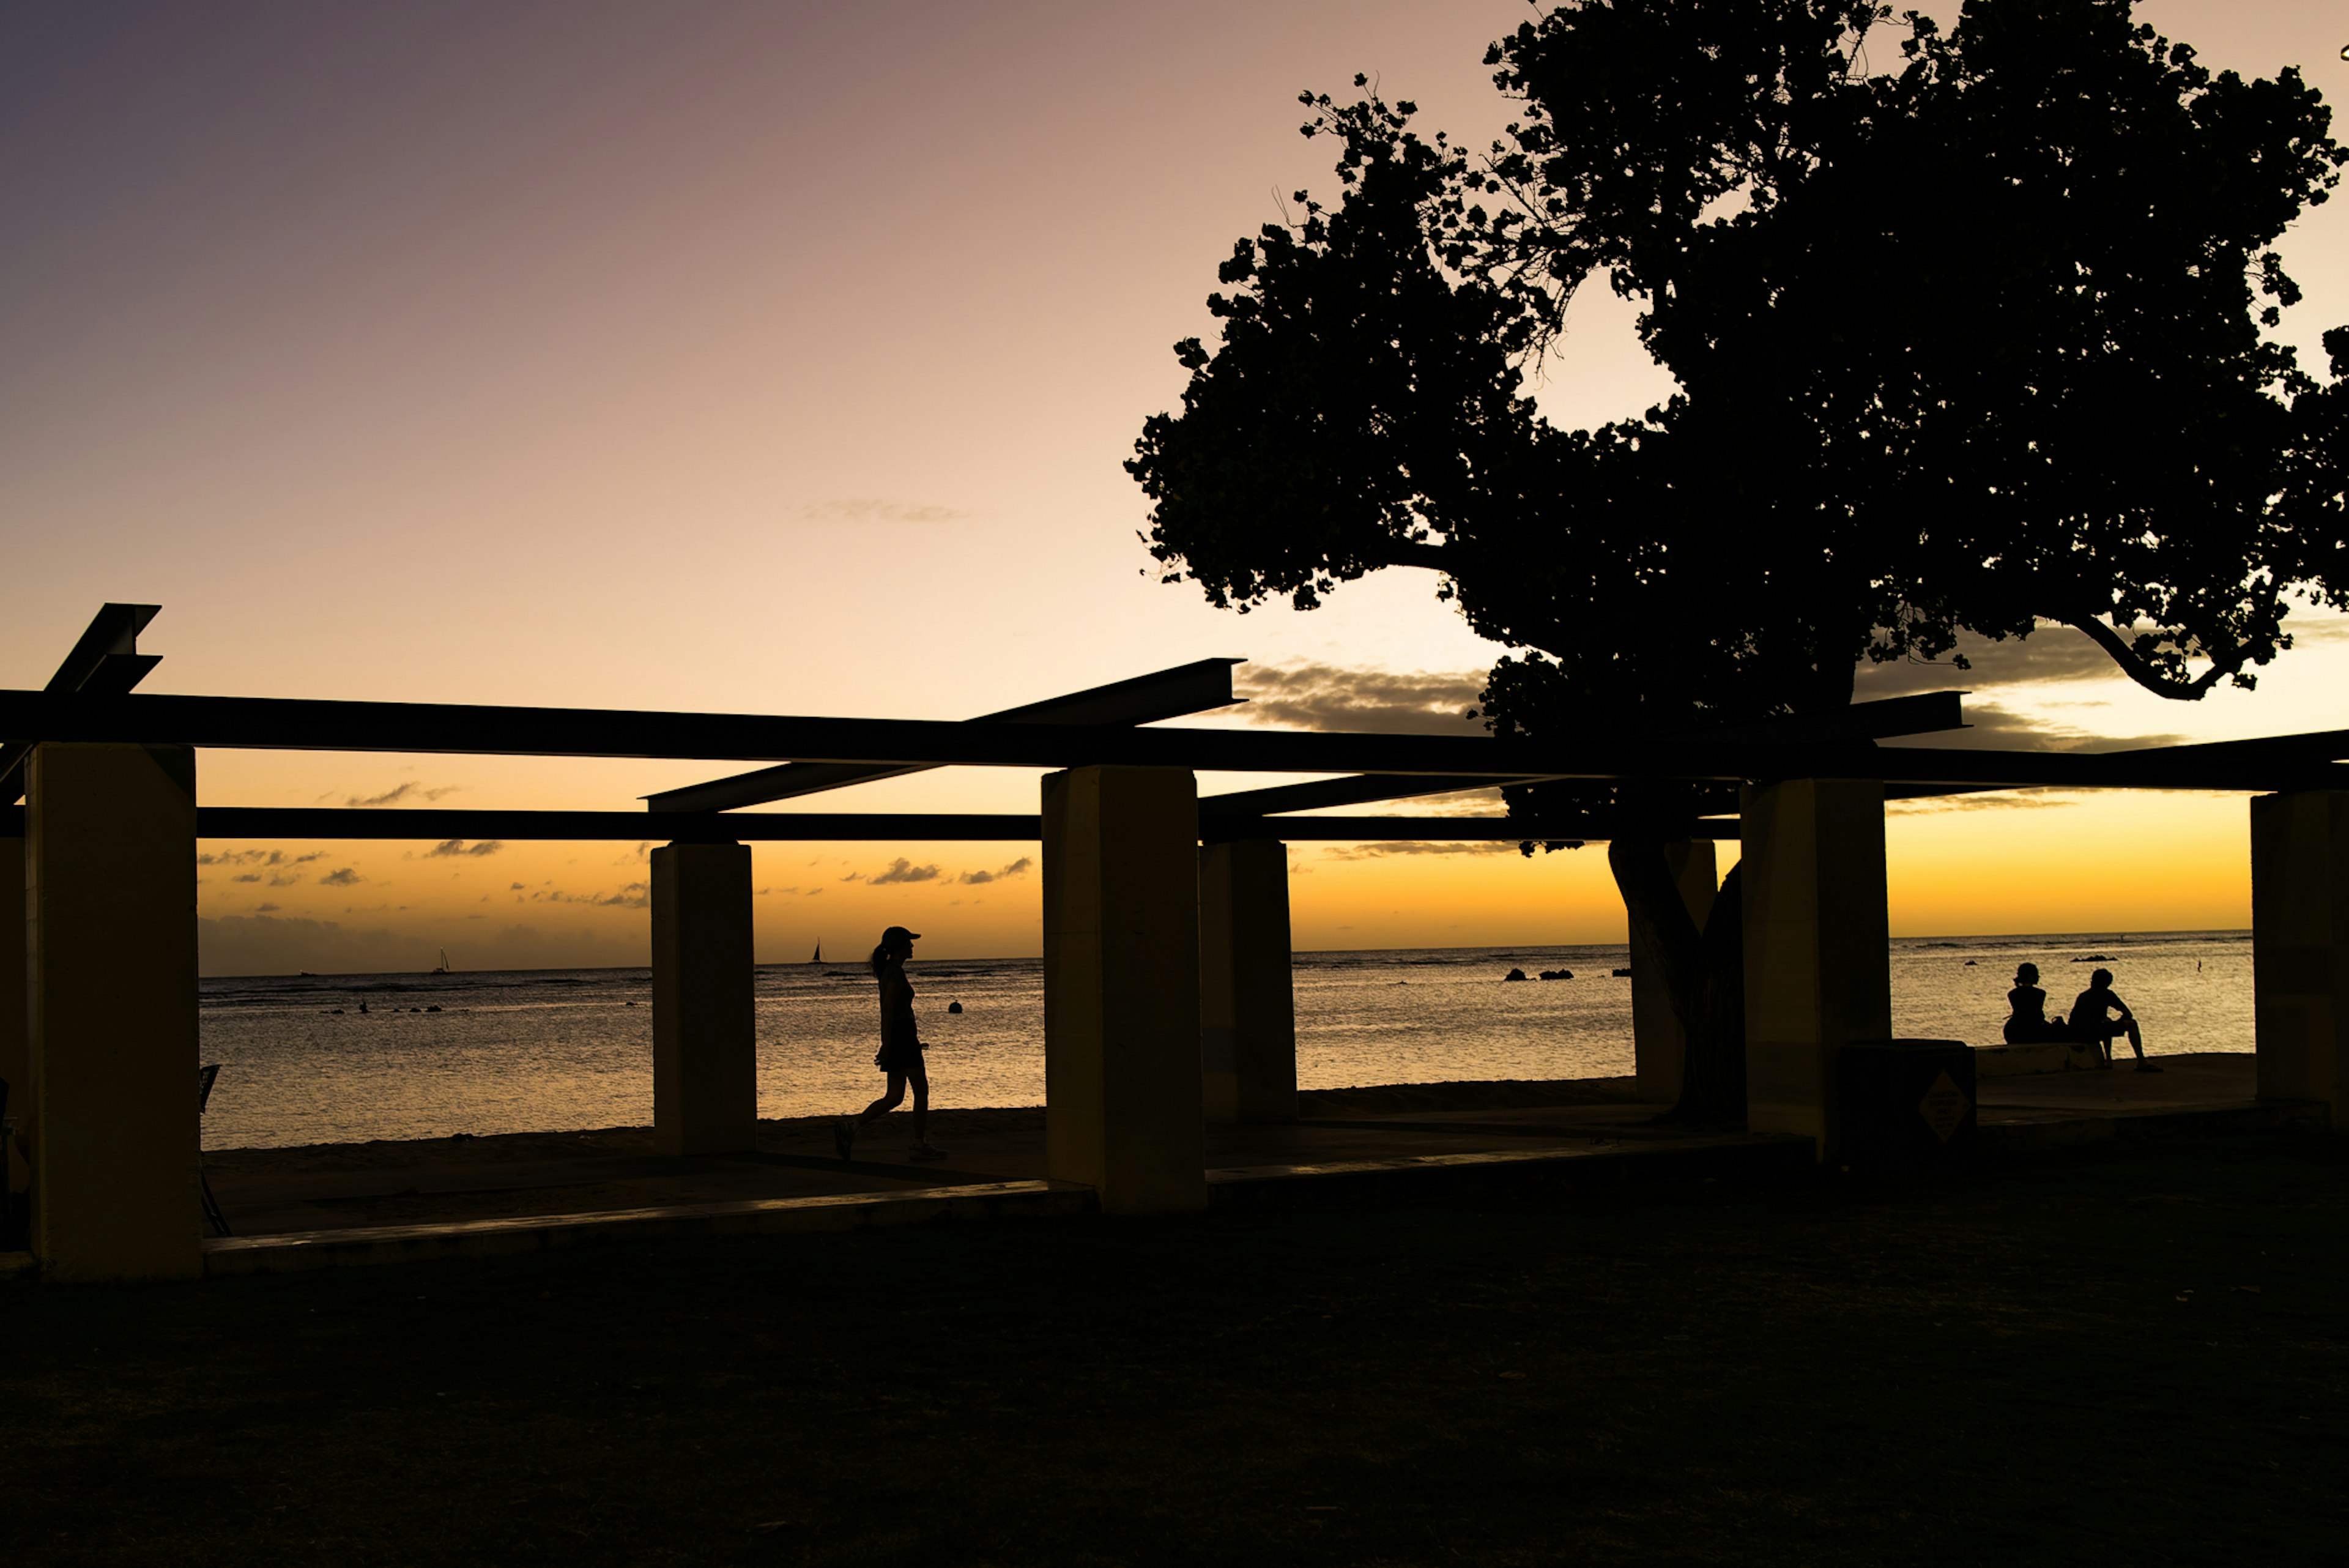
x,y
1514,974
954,1007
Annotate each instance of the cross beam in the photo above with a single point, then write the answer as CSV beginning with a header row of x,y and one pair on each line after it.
x,y
2299,763
1927,712
1165,694
483,825
105,660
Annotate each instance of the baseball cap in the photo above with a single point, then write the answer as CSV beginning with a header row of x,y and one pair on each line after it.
x,y
899,933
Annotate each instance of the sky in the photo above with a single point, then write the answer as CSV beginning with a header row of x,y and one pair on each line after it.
x,y
781,359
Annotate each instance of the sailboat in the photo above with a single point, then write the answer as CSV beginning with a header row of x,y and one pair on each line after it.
x,y
444,962
819,951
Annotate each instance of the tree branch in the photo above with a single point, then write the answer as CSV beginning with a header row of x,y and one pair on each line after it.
x,y
2137,668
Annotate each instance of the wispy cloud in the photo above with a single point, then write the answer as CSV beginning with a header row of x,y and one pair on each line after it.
x,y
975,879
1415,847
344,877
454,846
903,871
258,857
398,792
870,510
1990,725
635,896
1309,696
1997,800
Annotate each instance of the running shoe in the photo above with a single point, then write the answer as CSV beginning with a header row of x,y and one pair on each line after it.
x,y
844,1137
924,1151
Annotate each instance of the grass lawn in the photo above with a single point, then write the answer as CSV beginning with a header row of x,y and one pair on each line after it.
x,y
2052,1363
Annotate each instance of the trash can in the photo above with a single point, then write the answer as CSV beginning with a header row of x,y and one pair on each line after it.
x,y
1906,1106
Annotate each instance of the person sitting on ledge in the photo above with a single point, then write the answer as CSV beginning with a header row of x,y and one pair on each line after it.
x,y
2091,1021
2029,1025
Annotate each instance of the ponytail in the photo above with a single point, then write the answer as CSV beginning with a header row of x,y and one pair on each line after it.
x,y
880,960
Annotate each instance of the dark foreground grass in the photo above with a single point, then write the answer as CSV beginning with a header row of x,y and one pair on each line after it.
x,y
2048,1364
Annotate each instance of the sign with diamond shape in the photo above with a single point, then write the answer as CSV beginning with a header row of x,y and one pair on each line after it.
x,y
1944,1106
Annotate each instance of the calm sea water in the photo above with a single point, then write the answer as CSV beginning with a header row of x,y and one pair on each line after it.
x,y
553,1049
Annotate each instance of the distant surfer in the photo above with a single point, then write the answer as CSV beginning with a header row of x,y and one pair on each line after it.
x,y
900,1055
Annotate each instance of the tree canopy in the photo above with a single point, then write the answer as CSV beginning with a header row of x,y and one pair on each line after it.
x,y
1971,330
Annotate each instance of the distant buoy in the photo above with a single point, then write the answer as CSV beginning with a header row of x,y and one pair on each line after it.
x,y
954,1007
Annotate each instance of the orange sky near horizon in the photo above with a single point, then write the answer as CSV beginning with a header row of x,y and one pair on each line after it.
x,y
753,357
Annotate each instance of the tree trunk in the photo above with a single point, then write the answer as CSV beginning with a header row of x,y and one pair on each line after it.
x,y
1704,975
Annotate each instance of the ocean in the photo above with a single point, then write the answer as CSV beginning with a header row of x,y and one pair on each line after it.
x,y
546,1050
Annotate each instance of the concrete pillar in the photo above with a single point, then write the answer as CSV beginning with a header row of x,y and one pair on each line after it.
x,y
16,1042
705,1034
1121,987
1818,968
1658,1045
110,978
15,1037
2300,923
1247,1006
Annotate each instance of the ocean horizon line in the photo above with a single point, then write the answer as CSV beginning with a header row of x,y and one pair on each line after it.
x,y
2002,938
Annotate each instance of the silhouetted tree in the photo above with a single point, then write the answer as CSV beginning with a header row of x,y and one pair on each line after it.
x,y
1974,342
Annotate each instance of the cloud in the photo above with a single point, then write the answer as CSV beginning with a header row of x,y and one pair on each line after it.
x,y
1417,847
903,871
410,790
635,896
258,857
264,909
1993,800
451,846
345,877
2051,654
1990,725
1308,696
866,510
246,877
974,878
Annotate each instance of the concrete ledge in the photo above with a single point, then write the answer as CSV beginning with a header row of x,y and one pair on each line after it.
x,y
16,1265
2013,1061
1609,1167
487,1238
2027,1132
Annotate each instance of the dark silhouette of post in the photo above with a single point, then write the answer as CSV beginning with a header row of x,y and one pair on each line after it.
x,y
1248,1002
111,976
2300,918
1818,970
1121,986
16,1044
705,1041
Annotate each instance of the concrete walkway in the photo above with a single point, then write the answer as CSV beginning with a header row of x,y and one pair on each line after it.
x,y
386,1201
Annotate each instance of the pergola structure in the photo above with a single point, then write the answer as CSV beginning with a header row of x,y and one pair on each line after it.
x,y
1166,937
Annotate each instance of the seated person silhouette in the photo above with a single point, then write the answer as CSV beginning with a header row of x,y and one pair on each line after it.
x,y
2029,1025
2091,1021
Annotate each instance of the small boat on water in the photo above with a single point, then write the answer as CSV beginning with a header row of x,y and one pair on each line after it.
x,y
444,967
819,951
